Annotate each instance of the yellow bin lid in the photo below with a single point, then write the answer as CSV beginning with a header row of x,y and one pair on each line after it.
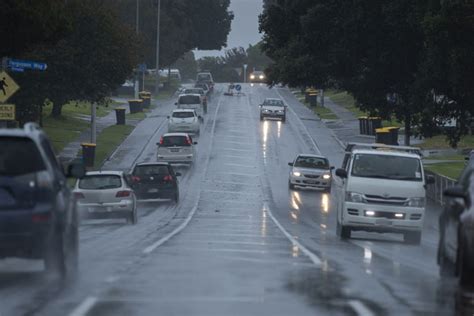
x,y
88,145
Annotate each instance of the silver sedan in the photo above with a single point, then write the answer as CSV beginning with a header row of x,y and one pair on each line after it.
x,y
310,171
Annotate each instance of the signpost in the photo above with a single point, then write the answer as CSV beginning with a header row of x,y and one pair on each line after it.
x,y
8,87
7,112
26,64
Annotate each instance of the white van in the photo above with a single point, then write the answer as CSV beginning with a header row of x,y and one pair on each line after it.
x,y
191,101
382,190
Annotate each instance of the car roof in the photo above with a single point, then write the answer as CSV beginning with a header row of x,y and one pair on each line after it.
x,y
195,88
311,155
156,163
183,110
30,130
258,72
186,94
385,153
175,134
273,99
105,173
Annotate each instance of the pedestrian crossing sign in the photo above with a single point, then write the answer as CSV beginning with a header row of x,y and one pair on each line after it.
x,y
8,87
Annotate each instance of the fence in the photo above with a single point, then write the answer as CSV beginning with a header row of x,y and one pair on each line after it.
x,y
435,191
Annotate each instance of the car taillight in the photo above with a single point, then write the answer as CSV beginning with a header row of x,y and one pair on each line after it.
x,y
136,179
168,178
79,195
38,218
121,194
161,140
188,141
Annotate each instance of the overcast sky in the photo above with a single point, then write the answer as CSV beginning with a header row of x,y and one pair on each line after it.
x,y
244,26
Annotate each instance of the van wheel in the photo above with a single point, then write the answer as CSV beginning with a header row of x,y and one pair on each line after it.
x,y
54,259
176,197
466,271
283,119
343,232
328,190
446,267
413,238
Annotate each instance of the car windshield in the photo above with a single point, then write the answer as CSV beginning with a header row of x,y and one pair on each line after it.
x,y
194,91
202,86
387,167
100,182
186,114
171,141
204,77
311,162
19,156
145,170
272,102
189,99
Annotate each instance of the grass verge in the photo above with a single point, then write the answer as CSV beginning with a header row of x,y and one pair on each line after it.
x,y
76,108
63,130
323,112
449,169
108,141
440,142
136,116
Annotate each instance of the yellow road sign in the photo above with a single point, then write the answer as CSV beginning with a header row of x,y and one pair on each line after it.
x,y
7,112
8,87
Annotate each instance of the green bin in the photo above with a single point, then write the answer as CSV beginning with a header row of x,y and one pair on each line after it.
x,y
120,115
136,106
88,154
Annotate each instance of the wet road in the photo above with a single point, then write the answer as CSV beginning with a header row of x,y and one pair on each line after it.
x,y
239,242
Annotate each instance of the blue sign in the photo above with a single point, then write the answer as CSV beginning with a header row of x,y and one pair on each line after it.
x,y
26,64
14,69
142,67
238,87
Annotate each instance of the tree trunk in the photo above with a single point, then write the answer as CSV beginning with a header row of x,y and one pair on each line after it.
x,y
56,111
407,129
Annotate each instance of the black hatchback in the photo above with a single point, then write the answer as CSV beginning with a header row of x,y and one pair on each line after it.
x,y
156,180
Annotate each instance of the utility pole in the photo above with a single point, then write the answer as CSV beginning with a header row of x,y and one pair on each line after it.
x,y
136,86
157,81
93,123
245,73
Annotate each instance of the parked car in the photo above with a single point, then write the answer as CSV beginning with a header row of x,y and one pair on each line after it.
x,y
38,215
383,190
456,227
186,121
273,108
310,171
257,76
106,194
176,148
155,180
191,101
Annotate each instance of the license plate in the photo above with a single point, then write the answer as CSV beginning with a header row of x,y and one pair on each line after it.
x,y
174,150
383,222
100,209
153,191
310,181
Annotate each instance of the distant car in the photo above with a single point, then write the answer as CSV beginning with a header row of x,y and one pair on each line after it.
x,y
38,213
201,92
257,76
310,171
186,121
176,148
192,102
106,194
205,77
456,227
273,108
155,180
203,86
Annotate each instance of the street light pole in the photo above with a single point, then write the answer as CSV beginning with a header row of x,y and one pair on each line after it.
x,y
136,87
157,80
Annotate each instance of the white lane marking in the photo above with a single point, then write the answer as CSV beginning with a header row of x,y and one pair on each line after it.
x,y
302,124
229,182
230,192
234,149
183,225
239,174
84,307
315,259
360,308
239,165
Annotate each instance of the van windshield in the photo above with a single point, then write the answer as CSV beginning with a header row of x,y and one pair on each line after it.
x,y
387,167
189,99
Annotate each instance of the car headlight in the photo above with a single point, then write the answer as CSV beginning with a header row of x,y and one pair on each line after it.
x,y
326,176
261,77
252,77
297,174
416,202
355,197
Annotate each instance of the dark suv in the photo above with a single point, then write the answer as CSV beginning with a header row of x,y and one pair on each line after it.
x,y
156,180
38,218
456,244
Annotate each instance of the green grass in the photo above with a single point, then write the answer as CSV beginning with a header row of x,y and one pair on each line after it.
x,y
447,157
324,113
75,108
108,141
440,142
136,116
63,130
449,169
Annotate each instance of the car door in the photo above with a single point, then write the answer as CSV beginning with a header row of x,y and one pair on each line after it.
x,y
341,186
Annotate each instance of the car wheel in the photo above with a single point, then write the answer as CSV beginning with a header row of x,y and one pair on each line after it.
x,y
328,190
54,259
176,197
291,186
446,267
261,118
283,119
343,232
413,238
466,270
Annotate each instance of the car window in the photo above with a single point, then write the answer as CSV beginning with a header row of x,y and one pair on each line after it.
x,y
100,182
19,156
183,114
145,170
194,91
189,99
387,167
52,157
311,162
274,102
170,141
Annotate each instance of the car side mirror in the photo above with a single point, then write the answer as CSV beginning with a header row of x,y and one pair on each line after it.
x,y
341,173
178,174
430,179
195,143
290,164
76,170
455,192
332,168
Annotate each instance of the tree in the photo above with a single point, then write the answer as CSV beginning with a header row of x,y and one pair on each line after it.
x,y
187,66
256,58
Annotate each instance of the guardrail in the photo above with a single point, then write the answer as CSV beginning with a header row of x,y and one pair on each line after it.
x,y
435,191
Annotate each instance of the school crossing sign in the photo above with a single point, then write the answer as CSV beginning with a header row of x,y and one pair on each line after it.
x,y
8,87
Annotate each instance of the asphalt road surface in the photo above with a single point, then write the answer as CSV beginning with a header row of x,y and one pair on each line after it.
x,y
239,242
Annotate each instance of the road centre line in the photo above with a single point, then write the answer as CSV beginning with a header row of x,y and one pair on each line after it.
x,y
84,307
239,165
360,308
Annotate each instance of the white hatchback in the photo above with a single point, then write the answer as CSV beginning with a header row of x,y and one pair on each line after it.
x,y
176,148
186,121
191,101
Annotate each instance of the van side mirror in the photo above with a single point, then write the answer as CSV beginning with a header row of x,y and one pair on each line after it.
x,y
341,173
290,164
430,179
76,170
332,168
455,192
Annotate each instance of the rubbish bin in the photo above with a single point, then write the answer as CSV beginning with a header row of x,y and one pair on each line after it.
x,y
88,154
363,125
136,106
313,99
120,115
374,122
393,134
382,136
146,97
307,94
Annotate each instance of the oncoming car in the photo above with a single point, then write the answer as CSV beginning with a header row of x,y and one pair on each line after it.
x,y
273,108
257,76
310,171
184,121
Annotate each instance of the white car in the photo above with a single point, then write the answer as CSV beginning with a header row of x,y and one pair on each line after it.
x,y
310,171
383,190
186,121
106,194
273,108
176,148
192,102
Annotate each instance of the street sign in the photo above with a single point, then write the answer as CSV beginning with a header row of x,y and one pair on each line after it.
x,y
8,87
238,87
27,64
7,112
